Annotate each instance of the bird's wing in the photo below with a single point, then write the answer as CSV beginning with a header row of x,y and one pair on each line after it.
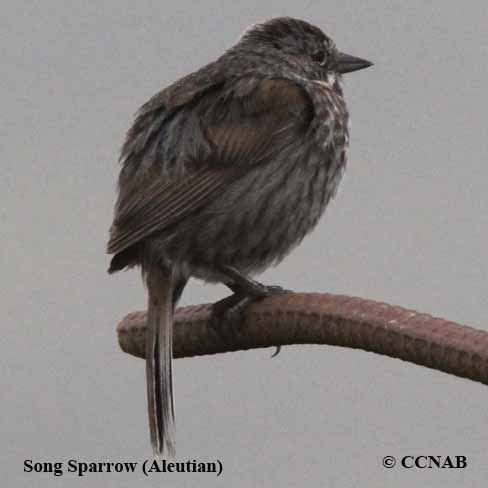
x,y
242,126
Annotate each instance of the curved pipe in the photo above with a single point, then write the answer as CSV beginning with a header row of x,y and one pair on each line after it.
x,y
301,318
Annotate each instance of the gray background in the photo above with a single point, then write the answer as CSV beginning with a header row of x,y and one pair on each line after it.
x,y
409,226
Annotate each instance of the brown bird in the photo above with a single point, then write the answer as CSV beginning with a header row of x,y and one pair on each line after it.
x,y
223,173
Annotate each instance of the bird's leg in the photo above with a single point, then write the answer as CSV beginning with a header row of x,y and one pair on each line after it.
x,y
178,290
240,283
230,310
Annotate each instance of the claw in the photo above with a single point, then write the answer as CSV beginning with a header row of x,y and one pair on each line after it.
x,y
278,349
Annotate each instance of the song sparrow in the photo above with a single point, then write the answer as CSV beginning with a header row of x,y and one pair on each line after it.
x,y
223,173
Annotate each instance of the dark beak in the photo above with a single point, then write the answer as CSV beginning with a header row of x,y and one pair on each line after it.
x,y
345,63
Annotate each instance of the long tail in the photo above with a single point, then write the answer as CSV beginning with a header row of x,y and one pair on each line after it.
x,y
159,355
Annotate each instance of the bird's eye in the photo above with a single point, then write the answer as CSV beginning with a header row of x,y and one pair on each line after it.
x,y
320,57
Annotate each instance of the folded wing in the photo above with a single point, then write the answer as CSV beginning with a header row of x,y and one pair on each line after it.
x,y
242,126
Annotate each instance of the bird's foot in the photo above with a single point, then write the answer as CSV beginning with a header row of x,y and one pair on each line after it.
x,y
258,290
227,315
269,290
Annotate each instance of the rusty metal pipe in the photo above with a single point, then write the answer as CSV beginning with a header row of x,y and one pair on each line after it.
x,y
301,318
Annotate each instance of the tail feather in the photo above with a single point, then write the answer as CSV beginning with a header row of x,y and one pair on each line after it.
x,y
159,355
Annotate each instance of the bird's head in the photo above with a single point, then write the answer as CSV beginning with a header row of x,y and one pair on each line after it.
x,y
303,45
